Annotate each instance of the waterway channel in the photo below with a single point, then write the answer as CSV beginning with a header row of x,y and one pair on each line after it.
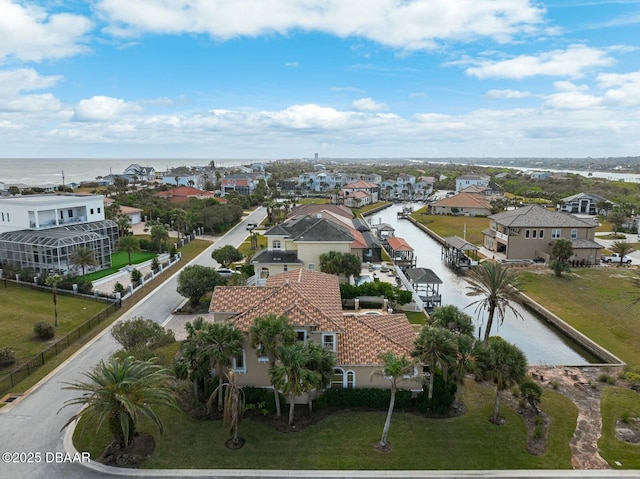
x,y
541,342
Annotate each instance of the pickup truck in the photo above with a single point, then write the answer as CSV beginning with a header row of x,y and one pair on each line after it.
x,y
614,258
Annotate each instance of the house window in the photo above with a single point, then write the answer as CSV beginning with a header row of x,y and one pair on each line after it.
x,y
2,216
301,335
534,233
262,358
342,379
239,364
91,210
541,234
98,210
556,233
527,233
574,233
514,231
276,244
70,213
329,341
312,267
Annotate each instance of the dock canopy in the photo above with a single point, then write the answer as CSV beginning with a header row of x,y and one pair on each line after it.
x,y
455,251
427,284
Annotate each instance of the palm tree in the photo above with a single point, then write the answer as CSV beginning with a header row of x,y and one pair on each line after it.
x,y
617,218
635,282
504,364
158,235
179,217
321,360
622,248
53,281
438,348
119,393
497,286
292,374
223,342
395,369
83,257
124,222
267,335
234,406
129,244
452,318
561,251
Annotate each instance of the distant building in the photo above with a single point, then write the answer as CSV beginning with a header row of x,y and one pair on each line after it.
x,y
584,203
464,204
143,173
465,181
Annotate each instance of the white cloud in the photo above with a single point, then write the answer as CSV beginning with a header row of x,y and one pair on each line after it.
x,y
368,104
510,94
403,24
571,62
292,64
24,79
103,108
29,33
569,86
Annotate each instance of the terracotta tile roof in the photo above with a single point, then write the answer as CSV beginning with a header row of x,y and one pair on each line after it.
x,y
236,299
359,184
359,194
305,297
367,336
399,244
313,209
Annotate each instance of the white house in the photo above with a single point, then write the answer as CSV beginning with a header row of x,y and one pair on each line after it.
x,y
465,181
41,232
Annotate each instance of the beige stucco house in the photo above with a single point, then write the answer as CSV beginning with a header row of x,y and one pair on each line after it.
x,y
529,233
311,301
463,204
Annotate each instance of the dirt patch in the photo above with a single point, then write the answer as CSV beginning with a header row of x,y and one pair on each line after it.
x,y
536,422
132,456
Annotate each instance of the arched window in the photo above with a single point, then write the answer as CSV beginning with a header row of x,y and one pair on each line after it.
x,y
342,379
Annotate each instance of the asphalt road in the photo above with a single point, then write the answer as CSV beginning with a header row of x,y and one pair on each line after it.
x,y
32,425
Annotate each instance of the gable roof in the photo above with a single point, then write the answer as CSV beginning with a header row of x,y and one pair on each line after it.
x,y
399,244
537,216
360,184
590,196
464,200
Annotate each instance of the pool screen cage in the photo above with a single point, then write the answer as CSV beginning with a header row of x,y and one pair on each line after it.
x,y
50,249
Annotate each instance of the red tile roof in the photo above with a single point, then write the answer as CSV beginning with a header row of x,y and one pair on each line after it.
x,y
367,336
399,244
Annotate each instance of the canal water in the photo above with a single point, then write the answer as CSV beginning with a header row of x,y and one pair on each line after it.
x,y
541,343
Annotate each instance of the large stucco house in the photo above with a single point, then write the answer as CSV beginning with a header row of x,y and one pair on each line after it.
x,y
40,232
311,302
463,204
529,233
584,203
465,181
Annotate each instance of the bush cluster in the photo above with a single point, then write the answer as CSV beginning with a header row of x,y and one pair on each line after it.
x,y
44,330
442,399
7,356
368,398
262,399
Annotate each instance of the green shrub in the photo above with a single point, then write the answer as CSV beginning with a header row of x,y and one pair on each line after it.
x,y
444,394
136,278
606,378
44,330
7,356
262,400
140,353
139,333
118,288
368,398
155,265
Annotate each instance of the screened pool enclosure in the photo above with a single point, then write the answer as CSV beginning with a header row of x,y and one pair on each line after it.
x,y
50,249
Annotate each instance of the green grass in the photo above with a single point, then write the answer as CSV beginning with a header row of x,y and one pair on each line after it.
x,y
445,225
416,317
120,260
595,302
188,252
345,440
614,403
17,321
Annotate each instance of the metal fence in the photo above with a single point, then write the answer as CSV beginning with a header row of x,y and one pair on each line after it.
x,y
13,377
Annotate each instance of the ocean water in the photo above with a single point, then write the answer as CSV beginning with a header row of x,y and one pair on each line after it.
x,y
49,171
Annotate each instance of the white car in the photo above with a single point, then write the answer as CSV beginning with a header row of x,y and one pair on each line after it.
x,y
251,226
226,272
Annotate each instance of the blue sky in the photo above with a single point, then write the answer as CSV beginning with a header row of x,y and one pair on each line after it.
x,y
341,78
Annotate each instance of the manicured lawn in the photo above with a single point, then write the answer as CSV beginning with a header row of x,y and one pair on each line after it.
x,y
22,308
595,302
345,440
445,225
617,402
120,260
416,317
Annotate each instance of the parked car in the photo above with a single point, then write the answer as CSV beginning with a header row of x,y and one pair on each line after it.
x,y
226,272
251,226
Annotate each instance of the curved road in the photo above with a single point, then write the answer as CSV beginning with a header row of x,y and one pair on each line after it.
x,y
33,423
